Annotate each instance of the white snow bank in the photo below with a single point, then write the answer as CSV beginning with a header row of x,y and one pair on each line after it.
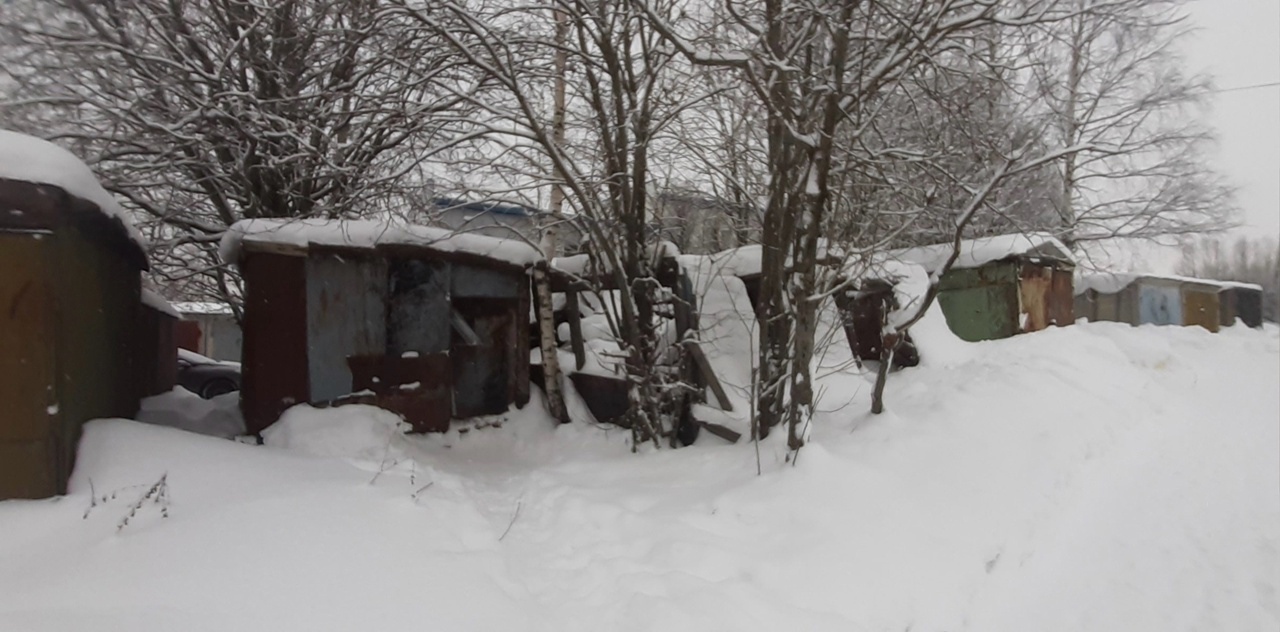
x,y
356,431
975,253
31,159
939,346
184,410
1092,477
371,233
1112,282
153,300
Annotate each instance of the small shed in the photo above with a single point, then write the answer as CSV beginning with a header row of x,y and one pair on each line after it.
x,y
71,292
418,320
1155,299
1001,286
157,343
209,329
1241,301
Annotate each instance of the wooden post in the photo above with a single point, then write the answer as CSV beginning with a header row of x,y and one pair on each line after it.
x,y
708,376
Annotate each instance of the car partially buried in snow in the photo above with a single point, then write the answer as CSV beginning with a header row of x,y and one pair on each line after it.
x,y
207,377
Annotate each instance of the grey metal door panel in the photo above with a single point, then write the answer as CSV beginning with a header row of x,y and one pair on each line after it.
x,y
346,316
1159,305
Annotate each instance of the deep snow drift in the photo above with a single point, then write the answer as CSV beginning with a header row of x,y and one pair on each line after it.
x,y
1095,477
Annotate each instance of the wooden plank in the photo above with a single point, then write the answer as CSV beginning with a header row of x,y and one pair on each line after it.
x,y
732,436
575,328
709,376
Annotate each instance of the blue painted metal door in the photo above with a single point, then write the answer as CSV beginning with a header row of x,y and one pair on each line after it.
x,y
346,316
1159,305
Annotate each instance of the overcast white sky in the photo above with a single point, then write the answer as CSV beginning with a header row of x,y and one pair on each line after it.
x,y
1238,42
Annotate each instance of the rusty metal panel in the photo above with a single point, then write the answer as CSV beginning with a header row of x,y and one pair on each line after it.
x,y
346,316
1035,283
1062,309
419,389
274,370
1200,307
481,371
1159,304
476,282
418,307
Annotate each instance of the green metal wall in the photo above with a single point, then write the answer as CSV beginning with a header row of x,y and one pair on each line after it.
x,y
981,303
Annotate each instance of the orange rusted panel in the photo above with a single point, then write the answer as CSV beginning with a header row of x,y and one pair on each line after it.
x,y
1036,284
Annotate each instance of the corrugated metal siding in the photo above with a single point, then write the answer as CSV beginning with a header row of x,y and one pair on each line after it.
x,y
1159,304
274,371
28,455
346,316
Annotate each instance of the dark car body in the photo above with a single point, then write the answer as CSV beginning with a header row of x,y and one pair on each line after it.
x,y
207,377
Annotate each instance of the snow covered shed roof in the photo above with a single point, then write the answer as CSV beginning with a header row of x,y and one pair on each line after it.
x,y
297,235
1113,282
153,300
203,308
975,253
30,159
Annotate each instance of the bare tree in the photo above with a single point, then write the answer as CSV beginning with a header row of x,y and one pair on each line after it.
x,y
204,112
1110,77
622,88
820,72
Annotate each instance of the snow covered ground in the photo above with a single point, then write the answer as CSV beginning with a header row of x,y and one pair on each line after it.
x,y
1096,477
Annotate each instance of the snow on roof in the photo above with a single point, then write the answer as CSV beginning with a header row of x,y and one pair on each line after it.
x,y
372,233
746,261
580,264
157,302
1112,282
31,159
975,253
202,308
